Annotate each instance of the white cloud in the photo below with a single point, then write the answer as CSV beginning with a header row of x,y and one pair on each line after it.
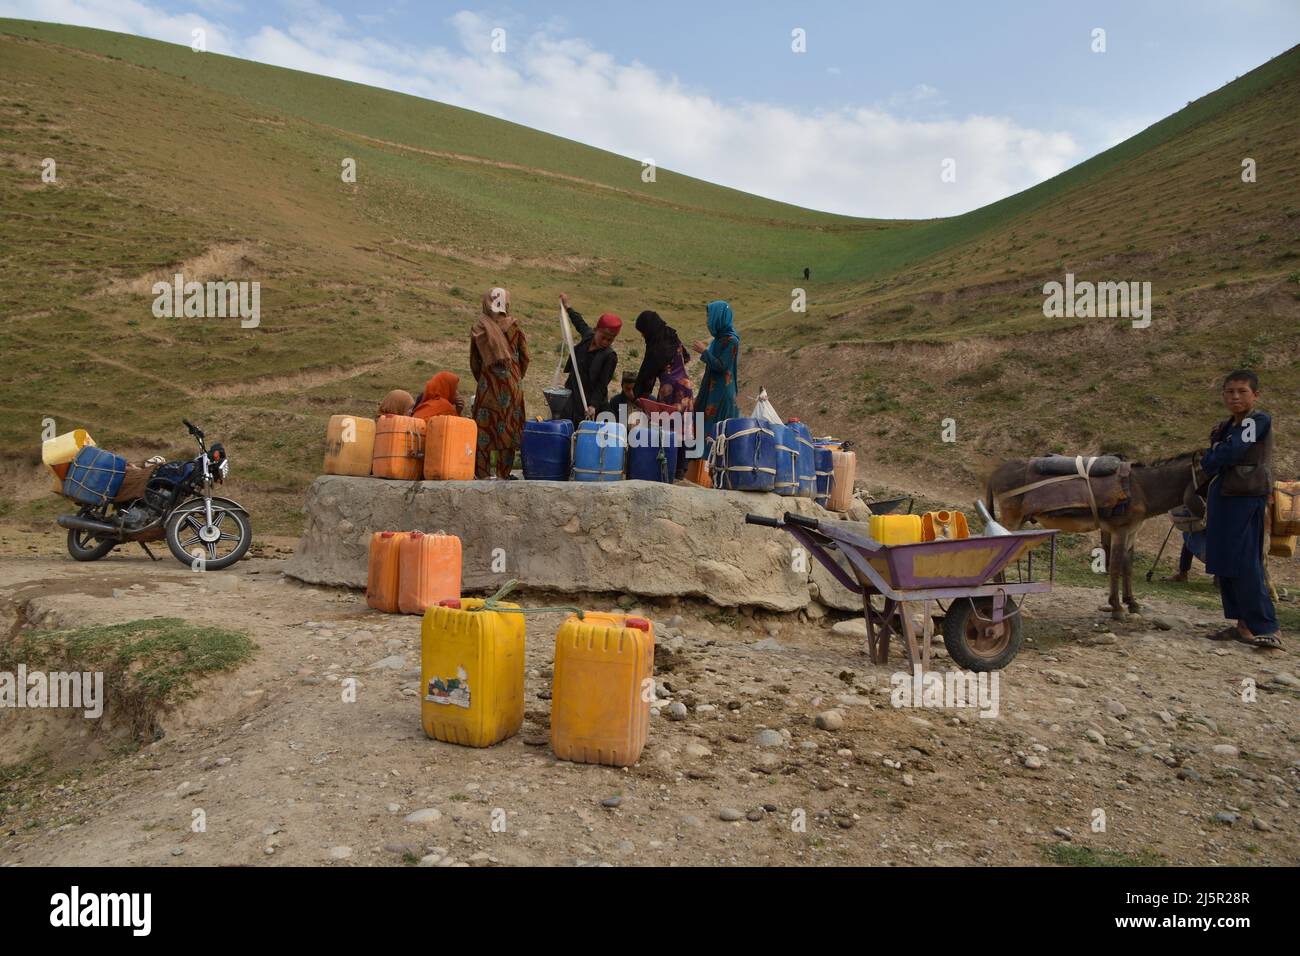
x,y
866,161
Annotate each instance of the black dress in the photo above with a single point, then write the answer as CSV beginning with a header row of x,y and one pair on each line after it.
x,y
596,368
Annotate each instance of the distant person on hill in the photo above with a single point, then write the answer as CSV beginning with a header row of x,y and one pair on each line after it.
x,y
439,397
807,273
721,368
397,402
596,363
665,362
498,359
1237,465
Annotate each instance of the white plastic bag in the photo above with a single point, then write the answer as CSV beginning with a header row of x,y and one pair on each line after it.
x,y
764,411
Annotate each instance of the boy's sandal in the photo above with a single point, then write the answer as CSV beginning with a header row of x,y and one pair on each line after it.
x,y
1268,642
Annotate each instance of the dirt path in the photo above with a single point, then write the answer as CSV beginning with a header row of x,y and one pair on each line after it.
x,y
287,773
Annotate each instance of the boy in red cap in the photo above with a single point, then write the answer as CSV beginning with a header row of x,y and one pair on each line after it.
x,y
596,363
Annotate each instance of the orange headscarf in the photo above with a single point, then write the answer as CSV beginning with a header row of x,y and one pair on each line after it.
x,y
439,396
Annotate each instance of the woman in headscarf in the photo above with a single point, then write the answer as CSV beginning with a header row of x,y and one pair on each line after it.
x,y
665,363
439,397
718,388
396,402
498,359
596,363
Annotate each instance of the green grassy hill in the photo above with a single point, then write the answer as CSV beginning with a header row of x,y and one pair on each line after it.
x,y
171,161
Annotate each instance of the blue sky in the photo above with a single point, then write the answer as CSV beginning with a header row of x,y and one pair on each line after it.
x,y
860,123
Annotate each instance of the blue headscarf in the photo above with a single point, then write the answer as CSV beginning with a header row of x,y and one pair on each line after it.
x,y
720,320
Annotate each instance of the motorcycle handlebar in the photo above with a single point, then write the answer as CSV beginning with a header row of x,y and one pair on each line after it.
x,y
792,518
763,520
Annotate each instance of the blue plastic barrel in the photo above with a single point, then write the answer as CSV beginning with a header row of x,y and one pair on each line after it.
x,y
787,482
599,451
652,454
746,460
547,447
805,464
825,473
95,476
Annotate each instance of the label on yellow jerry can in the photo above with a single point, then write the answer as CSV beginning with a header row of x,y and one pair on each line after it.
x,y
471,673
603,685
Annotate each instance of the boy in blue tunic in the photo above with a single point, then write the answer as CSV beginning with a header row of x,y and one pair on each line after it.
x,y
1237,464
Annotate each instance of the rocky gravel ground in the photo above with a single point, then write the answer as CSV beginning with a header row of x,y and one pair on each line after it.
x,y
772,741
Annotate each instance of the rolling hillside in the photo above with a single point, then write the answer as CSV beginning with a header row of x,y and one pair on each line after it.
x,y
174,161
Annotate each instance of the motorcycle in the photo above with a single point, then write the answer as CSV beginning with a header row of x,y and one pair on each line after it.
x,y
202,531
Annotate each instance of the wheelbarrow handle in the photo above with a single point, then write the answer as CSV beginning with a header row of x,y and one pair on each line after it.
x,y
801,521
763,520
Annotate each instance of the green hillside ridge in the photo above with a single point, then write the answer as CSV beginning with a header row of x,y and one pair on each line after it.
x,y
172,160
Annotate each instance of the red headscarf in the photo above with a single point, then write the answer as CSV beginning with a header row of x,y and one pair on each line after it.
x,y
438,397
610,321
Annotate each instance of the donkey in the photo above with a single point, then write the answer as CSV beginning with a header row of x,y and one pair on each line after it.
x,y
1153,490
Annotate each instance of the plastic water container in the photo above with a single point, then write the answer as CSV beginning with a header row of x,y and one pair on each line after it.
x,y
471,673
95,476
399,448
652,454
745,452
428,571
61,449
787,482
805,463
548,449
602,688
824,473
599,451
944,525
349,445
450,444
845,464
383,571
895,529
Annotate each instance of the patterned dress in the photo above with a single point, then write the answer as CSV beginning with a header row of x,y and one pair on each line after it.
x,y
499,405
718,388
675,390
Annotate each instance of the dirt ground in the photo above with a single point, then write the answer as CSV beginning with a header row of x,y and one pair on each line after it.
x,y
1122,742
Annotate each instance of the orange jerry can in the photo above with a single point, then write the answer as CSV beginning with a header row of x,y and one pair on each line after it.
x,y
697,472
429,571
603,685
399,448
449,448
471,673
349,445
943,525
382,573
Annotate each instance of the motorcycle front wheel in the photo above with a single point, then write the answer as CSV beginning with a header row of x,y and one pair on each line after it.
x,y
195,543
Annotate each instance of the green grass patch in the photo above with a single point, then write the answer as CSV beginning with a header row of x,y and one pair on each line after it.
x,y
1068,854
148,665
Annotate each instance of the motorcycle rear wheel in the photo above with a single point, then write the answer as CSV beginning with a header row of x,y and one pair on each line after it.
x,y
188,537
84,546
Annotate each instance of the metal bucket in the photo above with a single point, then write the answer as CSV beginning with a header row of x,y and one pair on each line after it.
x,y
558,401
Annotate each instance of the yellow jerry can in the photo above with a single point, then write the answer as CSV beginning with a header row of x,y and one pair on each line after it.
x,y
603,685
471,673
895,529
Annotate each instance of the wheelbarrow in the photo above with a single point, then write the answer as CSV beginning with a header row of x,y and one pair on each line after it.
x,y
982,625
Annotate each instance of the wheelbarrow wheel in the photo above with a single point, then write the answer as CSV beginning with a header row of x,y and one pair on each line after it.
x,y
976,644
